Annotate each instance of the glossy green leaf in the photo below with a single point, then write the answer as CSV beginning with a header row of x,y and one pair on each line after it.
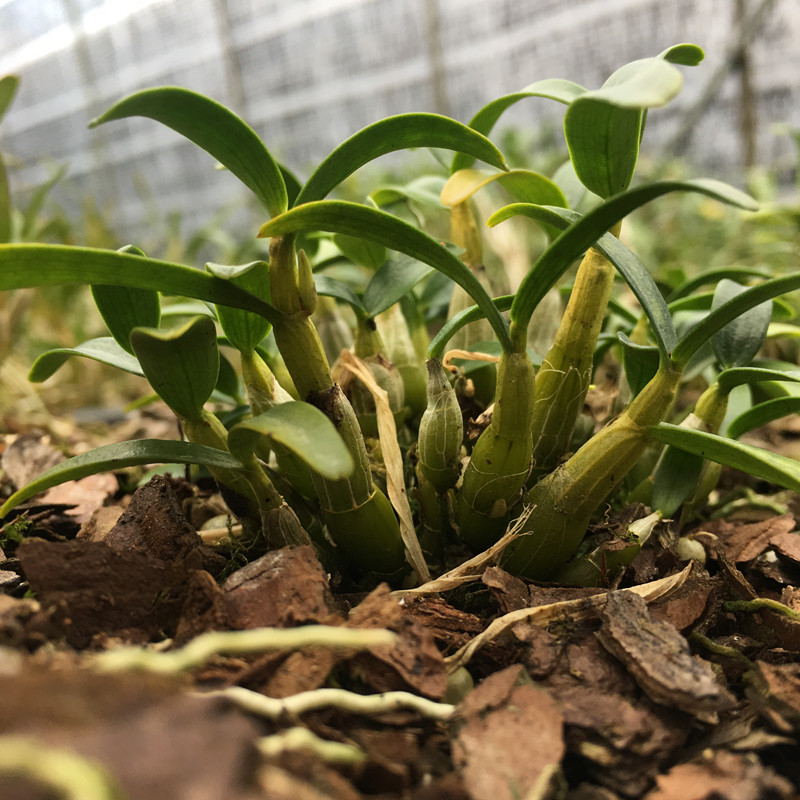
x,y
712,277
292,183
365,254
552,88
640,362
377,226
331,287
244,329
104,349
123,308
629,267
752,460
675,478
8,88
583,233
603,128
215,129
182,364
736,344
763,413
119,456
301,428
389,135
187,308
701,333
736,376
30,265
398,276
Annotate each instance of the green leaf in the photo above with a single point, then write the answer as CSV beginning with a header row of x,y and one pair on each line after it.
x,y
763,413
739,341
365,254
8,88
583,233
752,460
356,220
182,364
301,428
675,478
701,333
640,362
31,265
389,135
552,88
736,376
124,309
524,185
396,278
244,329
331,287
215,129
31,214
627,264
712,277
119,456
104,349
603,128
228,383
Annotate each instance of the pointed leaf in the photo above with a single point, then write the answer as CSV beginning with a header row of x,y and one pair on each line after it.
x,y
582,234
31,214
627,264
215,129
753,460
701,333
739,341
377,226
30,265
119,456
453,325
182,364
365,254
736,376
552,88
331,287
524,185
244,329
712,277
396,278
763,413
675,479
301,428
389,135
8,88
640,361
123,308
104,349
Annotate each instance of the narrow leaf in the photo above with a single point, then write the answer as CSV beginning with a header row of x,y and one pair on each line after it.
x,y
712,277
31,214
736,344
5,203
8,88
32,265
356,220
701,333
396,278
763,413
119,456
753,460
736,376
582,234
640,362
553,88
389,135
104,350
182,364
675,478
524,185
453,325
301,428
215,129
331,287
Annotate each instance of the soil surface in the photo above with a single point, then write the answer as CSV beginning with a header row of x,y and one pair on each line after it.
x,y
679,681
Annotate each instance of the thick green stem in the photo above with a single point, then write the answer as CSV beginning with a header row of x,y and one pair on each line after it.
x,y
501,459
566,372
565,500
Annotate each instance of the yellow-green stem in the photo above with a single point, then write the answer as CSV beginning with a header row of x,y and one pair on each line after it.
x,y
565,500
